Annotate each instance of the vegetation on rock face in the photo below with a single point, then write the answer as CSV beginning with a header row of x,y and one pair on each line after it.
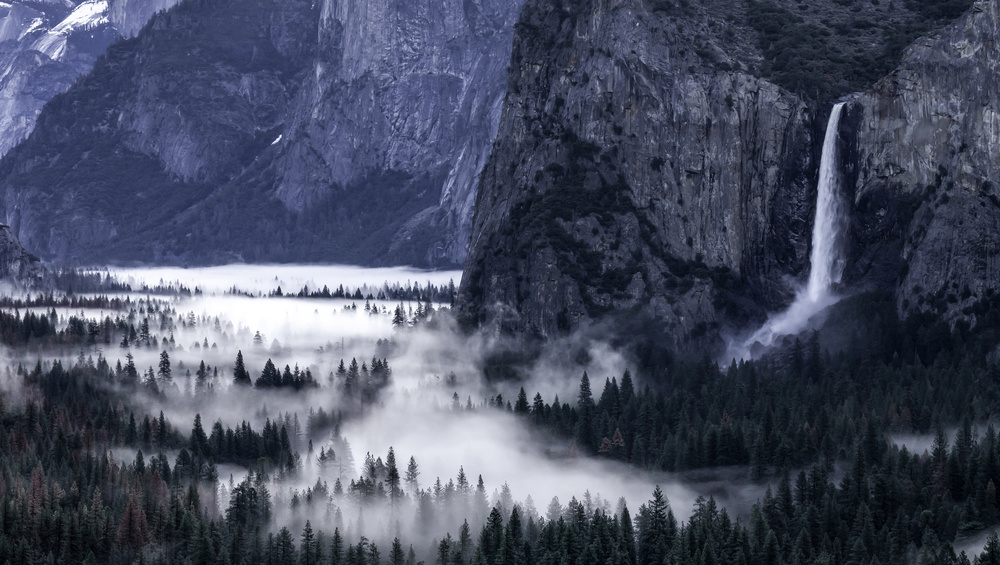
x,y
827,50
820,50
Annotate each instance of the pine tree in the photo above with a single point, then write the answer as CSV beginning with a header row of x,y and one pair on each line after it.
x,y
991,551
149,381
240,374
164,369
134,530
521,406
586,436
656,530
308,548
198,443
352,381
392,477
336,548
465,541
444,551
412,473
131,373
284,547
626,390
396,554
201,382
269,376
627,543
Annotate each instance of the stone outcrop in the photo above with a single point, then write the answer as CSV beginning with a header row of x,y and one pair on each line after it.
x,y
643,168
16,264
403,89
129,16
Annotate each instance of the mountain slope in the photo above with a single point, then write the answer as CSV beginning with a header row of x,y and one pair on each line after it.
x,y
45,46
634,175
162,121
268,131
405,94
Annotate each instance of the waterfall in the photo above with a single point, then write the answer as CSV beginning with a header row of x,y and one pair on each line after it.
x,y
826,263
826,260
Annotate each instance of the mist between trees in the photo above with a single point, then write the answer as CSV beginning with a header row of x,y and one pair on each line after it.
x,y
272,443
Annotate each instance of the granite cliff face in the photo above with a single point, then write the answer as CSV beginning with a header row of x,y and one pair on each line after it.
x,y
405,95
925,166
43,47
128,16
270,131
632,172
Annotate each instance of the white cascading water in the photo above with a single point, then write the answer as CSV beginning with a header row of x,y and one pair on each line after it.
x,y
827,263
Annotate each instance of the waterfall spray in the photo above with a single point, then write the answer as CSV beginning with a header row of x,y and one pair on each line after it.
x,y
826,260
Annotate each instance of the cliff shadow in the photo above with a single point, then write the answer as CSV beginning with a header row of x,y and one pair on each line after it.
x,y
878,216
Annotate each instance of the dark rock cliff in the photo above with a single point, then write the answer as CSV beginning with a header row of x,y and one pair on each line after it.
x,y
643,166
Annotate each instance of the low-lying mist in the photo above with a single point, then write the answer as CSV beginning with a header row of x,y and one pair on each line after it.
x,y
265,278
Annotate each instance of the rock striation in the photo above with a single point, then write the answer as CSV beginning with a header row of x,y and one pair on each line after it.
x,y
404,96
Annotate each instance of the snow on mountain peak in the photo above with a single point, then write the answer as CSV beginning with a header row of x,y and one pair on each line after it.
x,y
88,14
35,24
